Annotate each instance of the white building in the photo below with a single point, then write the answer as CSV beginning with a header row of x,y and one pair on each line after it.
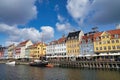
x,y
56,48
60,47
50,49
20,49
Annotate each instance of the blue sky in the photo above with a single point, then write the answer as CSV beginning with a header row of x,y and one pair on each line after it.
x,y
48,20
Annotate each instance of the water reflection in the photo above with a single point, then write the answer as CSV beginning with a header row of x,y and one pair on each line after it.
x,y
23,72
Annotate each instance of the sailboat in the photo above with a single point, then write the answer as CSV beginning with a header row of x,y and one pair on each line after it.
x,y
41,62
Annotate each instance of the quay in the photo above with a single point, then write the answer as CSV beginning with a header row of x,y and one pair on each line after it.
x,y
77,64
87,64
17,62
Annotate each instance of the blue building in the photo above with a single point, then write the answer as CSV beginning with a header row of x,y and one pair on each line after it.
x,y
86,45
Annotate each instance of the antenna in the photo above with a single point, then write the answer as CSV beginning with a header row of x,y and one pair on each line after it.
x,y
95,29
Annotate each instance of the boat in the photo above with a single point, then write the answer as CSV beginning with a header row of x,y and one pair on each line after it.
x,y
10,62
39,63
50,65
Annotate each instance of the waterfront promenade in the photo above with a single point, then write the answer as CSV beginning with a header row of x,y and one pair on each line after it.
x,y
77,64
88,64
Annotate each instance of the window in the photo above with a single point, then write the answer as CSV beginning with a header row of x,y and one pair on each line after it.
x,y
107,36
109,47
75,37
104,42
68,38
104,48
89,40
117,41
99,42
97,38
103,37
72,38
116,36
96,48
113,47
113,41
108,42
100,48
83,41
118,47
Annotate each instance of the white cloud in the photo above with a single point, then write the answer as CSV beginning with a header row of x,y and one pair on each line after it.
x,y
17,11
17,35
56,7
77,9
94,11
66,27
63,24
60,18
118,26
47,32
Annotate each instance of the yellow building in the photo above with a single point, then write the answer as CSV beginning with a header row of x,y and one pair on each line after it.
x,y
37,50
11,51
107,41
73,43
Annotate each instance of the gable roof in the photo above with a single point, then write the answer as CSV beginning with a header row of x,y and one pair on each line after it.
x,y
73,34
23,43
61,40
86,37
112,33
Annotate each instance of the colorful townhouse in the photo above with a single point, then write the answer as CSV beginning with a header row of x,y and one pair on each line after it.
x,y
2,49
28,52
60,47
87,45
37,50
107,41
5,52
20,49
50,49
73,43
56,48
11,51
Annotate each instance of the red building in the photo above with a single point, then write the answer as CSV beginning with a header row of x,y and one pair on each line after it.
x,y
2,51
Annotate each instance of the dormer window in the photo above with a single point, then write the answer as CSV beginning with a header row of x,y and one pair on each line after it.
x,y
89,40
103,37
72,37
116,35
97,38
75,37
83,41
68,38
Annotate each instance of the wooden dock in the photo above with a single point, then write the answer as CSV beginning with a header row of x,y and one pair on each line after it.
x,y
88,64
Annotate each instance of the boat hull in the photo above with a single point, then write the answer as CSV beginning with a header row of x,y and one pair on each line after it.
x,y
11,63
40,64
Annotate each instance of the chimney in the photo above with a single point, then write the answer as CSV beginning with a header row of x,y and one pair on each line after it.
x,y
118,26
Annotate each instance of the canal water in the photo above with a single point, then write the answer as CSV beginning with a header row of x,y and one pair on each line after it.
x,y
24,72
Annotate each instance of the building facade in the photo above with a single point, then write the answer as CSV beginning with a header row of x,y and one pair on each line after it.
x,y
73,43
28,52
20,49
11,51
6,53
57,48
107,41
2,49
60,47
87,45
50,49
37,50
